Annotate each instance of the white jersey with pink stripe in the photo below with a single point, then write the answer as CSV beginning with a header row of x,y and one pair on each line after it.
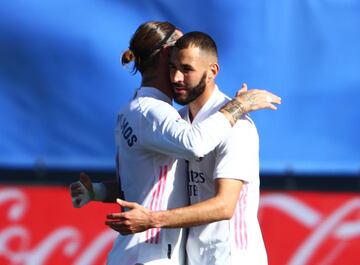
x,y
239,240
150,135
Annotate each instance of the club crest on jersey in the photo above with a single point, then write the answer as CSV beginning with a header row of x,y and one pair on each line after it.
x,y
127,131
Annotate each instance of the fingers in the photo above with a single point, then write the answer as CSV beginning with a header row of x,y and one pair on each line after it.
x,y
117,222
80,194
74,186
244,87
77,201
272,98
256,99
270,106
76,189
85,180
133,221
76,192
122,215
121,228
116,216
119,201
126,204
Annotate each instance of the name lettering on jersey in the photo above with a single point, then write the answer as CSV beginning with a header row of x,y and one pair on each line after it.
x,y
127,131
195,178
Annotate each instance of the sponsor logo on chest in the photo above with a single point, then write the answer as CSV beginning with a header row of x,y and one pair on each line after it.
x,y
194,180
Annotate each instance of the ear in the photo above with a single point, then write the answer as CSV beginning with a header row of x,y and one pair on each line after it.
x,y
213,70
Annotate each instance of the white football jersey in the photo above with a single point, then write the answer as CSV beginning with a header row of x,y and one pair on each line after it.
x,y
150,135
239,240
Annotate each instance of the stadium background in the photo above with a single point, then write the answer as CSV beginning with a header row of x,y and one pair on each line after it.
x,y
61,85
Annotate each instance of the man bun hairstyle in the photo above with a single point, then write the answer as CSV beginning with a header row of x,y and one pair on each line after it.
x,y
127,57
146,43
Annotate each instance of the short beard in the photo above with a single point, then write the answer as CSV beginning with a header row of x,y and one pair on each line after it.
x,y
194,92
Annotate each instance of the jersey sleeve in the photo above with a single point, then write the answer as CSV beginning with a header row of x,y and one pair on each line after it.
x,y
166,132
238,156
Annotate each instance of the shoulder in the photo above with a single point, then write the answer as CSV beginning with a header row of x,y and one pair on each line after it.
x,y
243,135
245,123
155,110
221,99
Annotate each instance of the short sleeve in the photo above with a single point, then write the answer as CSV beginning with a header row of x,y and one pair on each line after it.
x,y
238,156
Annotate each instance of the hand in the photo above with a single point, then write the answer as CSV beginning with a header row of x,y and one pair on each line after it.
x,y
82,191
137,219
256,99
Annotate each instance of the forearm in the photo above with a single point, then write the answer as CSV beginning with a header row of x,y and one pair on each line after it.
x,y
249,100
212,210
180,139
218,208
233,110
139,218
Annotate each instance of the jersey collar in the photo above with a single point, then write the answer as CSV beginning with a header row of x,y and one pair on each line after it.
x,y
208,106
154,93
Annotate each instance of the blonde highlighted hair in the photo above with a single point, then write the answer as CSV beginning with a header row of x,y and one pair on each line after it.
x,y
146,43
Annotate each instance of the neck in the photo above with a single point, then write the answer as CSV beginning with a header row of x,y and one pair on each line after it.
x,y
197,104
159,81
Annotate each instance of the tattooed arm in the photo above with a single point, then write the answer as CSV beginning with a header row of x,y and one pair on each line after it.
x,y
249,100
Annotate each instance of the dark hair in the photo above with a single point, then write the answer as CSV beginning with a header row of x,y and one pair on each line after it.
x,y
146,44
197,39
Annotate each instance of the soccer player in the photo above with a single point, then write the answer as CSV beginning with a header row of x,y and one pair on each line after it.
x,y
150,136
223,186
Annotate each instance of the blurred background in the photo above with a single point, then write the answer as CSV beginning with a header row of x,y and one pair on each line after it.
x,y
61,85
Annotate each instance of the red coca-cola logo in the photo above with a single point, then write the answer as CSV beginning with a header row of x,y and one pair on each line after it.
x,y
311,228
39,226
